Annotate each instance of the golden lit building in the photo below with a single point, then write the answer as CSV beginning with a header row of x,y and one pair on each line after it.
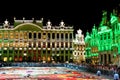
x,y
79,47
29,40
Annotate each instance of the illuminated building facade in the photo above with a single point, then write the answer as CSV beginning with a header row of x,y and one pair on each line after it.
x,y
29,40
88,48
103,43
79,47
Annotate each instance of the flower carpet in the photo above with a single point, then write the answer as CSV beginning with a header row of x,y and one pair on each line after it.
x,y
45,73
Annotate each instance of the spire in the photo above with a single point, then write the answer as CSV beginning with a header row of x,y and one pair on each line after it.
x,y
94,26
87,37
113,16
114,12
104,18
87,33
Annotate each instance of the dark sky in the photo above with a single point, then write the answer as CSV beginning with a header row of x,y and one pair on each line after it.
x,y
81,14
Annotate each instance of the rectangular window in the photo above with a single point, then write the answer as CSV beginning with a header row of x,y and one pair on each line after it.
x,y
10,51
53,35
39,35
57,52
11,45
30,45
108,35
66,44
39,44
5,44
70,35
62,45
57,35
48,52
101,37
21,34
70,44
70,52
34,44
11,35
5,52
62,52
44,51
66,52
66,35
34,35
62,36
104,36
48,44
57,44
16,44
6,35
48,35
44,45
30,35
53,45
25,35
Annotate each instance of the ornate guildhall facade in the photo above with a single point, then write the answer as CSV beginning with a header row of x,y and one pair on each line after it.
x,y
29,40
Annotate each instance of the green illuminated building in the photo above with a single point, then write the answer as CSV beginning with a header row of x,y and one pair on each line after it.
x,y
103,42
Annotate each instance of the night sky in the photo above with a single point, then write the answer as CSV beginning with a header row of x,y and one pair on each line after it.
x,y
82,14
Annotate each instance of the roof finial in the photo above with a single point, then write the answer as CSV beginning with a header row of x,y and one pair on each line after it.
x,y
79,31
14,18
33,19
6,22
23,18
62,23
49,24
41,19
